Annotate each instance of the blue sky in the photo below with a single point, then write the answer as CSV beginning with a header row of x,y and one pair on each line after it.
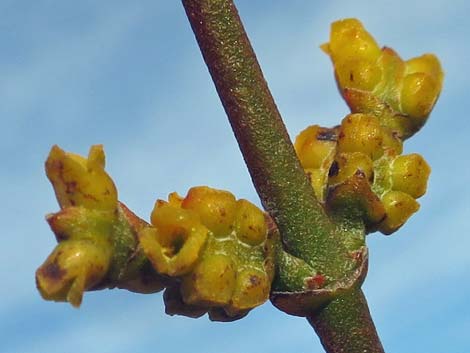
x,y
129,75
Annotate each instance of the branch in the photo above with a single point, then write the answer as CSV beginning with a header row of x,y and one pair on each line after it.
x,y
274,168
345,325
285,192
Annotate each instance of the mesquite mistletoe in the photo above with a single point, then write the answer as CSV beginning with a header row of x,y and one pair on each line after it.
x,y
214,254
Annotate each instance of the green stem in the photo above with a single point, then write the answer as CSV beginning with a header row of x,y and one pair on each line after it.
x,y
306,230
345,326
276,172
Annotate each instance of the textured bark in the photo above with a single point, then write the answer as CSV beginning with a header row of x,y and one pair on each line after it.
x,y
345,326
276,172
280,181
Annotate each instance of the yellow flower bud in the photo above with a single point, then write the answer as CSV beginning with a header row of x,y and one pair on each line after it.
x,y
347,164
349,39
399,206
428,64
250,223
315,145
360,133
211,283
360,74
419,94
410,174
175,199
216,208
174,244
73,267
80,181
251,289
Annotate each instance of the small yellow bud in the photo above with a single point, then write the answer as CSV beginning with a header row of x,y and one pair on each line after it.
x,y
211,283
175,199
79,181
360,133
428,64
174,244
418,95
216,208
360,74
349,39
399,206
410,174
347,164
73,267
251,289
250,224
315,145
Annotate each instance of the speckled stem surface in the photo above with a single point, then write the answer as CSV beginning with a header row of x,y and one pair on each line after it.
x,y
345,326
280,181
276,172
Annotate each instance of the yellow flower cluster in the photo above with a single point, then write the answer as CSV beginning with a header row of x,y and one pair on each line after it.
x,y
88,199
360,162
209,250
96,234
217,248
213,253
377,81
357,167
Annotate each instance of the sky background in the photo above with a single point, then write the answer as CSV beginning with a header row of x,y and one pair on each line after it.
x,y
129,75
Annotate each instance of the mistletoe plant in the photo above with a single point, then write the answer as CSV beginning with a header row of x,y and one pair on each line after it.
x,y
211,253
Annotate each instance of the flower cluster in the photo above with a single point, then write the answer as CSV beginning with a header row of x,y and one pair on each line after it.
x,y
214,254
218,249
209,250
377,81
96,234
357,167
